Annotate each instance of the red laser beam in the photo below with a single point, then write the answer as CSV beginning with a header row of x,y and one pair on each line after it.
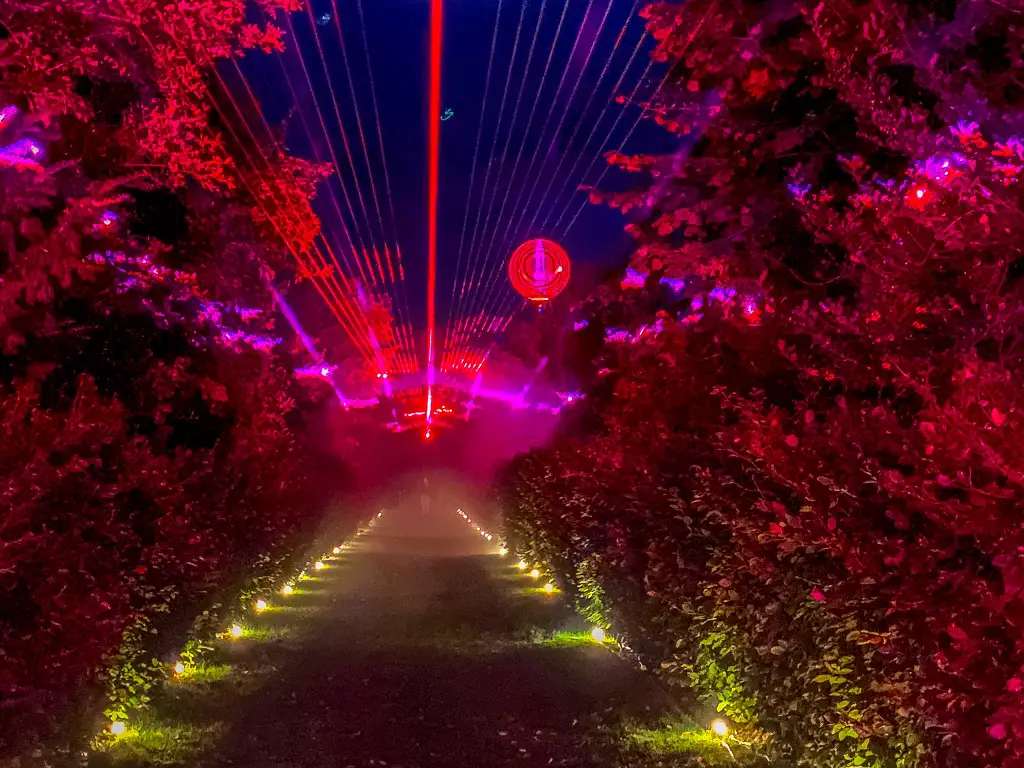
x,y
339,297
434,116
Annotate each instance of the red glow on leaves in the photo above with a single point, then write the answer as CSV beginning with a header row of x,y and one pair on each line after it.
x,y
269,39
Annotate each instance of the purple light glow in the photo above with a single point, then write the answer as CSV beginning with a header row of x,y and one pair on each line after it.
x,y
633,280
307,342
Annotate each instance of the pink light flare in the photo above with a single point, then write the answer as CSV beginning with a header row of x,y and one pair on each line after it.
x,y
307,342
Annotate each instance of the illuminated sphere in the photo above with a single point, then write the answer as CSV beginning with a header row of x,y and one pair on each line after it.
x,y
539,270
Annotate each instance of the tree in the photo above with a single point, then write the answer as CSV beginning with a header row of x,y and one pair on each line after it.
x,y
833,413
146,455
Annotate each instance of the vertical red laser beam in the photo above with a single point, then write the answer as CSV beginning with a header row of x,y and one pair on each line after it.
x,y
434,116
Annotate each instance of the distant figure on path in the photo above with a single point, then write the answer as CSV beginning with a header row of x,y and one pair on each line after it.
x,y
425,497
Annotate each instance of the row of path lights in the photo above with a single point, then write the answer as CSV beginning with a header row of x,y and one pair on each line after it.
x,y
718,726
236,631
478,529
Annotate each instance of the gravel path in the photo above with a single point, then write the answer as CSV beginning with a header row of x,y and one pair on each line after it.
x,y
418,648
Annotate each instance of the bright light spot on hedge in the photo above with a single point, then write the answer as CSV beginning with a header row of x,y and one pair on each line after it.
x,y
318,565
336,550
549,587
535,573
502,551
598,634
117,728
287,589
261,605
522,565
179,668
720,727
236,630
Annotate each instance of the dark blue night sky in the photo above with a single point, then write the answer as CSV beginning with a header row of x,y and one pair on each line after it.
x,y
397,33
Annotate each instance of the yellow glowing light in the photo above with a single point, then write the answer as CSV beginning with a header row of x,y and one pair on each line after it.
x,y
287,589
336,550
318,565
261,605
535,573
549,587
720,727
179,668
502,551
236,630
598,634
521,565
117,728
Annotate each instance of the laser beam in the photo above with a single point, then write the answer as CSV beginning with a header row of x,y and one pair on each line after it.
x,y
433,115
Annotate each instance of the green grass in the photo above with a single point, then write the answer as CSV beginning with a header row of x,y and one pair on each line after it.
x,y
303,591
675,742
259,634
682,740
203,674
540,591
283,599
567,639
163,743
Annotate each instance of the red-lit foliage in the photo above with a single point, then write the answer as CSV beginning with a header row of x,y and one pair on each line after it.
x,y
143,461
824,509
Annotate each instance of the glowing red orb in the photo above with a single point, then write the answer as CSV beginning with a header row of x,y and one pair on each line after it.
x,y
539,270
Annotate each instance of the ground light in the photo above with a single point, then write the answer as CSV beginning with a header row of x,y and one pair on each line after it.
x,y
549,587
287,589
502,551
522,565
236,630
117,728
261,605
598,634
535,573
179,668
319,566
336,550
720,727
